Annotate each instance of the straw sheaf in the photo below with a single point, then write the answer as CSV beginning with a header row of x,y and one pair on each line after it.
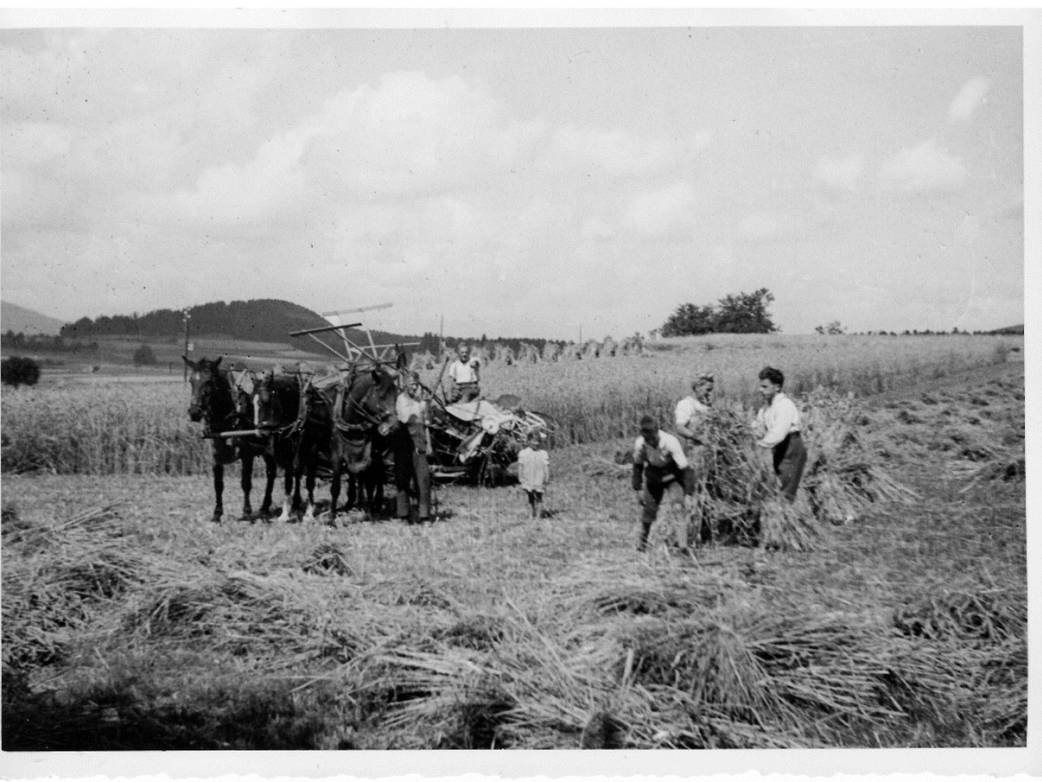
x,y
985,615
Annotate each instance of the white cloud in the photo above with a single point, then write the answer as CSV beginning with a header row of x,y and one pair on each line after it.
x,y
266,187
653,213
969,229
30,143
596,229
620,153
968,100
840,173
411,133
408,136
764,226
925,168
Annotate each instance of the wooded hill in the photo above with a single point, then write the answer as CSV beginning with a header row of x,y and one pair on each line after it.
x,y
256,320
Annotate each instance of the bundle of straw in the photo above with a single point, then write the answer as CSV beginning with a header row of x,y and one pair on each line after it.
x,y
327,559
459,703
991,615
738,491
709,661
786,525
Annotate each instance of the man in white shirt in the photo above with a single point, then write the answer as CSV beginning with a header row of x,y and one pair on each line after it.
x,y
464,372
412,446
778,424
658,463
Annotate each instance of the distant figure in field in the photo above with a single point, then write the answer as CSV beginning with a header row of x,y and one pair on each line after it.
x,y
692,420
533,472
659,464
778,427
465,374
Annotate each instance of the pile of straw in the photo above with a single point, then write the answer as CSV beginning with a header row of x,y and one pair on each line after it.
x,y
738,495
327,559
55,575
984,615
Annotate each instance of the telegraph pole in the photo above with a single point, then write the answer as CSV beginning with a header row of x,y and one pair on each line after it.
x,y
186,316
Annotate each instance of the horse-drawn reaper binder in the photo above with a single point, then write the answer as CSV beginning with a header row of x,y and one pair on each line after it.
x,y
343,422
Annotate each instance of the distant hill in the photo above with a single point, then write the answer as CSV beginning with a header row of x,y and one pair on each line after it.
x,y
1018,329
256,320
26,321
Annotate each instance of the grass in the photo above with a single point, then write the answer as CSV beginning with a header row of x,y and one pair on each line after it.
x,y
130,621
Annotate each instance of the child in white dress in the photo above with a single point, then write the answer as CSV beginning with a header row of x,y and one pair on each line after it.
x,y
533,472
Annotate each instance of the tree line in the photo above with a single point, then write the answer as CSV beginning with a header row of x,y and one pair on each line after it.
x,y
44,343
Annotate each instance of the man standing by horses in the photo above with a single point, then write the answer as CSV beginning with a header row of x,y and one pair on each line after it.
x,y
778,426
464,372
413,446
659,464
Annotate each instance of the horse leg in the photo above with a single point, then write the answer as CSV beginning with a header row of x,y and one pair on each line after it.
x,y
375,487
287,493
247,486
309,514
297,480
353,493
270,470
218,490
334,489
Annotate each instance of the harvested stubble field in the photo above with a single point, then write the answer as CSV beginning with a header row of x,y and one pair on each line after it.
x,y
131,622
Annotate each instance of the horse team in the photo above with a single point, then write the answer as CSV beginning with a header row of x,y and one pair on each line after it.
x,y
309,428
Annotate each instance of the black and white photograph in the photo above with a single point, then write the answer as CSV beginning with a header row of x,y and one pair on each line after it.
x,y
457,380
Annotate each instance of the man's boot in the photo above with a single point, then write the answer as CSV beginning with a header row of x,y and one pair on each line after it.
x,y
642,540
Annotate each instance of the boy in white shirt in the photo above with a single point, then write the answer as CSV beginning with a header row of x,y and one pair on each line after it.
x,y
778,427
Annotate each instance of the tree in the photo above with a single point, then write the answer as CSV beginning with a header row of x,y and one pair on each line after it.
x,y
742,313
19,370
745,313
835,327
690,319
144,356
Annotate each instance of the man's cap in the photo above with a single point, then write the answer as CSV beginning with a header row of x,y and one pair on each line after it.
x,y
647,424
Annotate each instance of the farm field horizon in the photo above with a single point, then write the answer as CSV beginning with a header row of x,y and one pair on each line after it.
x,y
131,621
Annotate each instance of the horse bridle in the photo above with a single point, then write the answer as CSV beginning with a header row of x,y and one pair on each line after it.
x,y
203,398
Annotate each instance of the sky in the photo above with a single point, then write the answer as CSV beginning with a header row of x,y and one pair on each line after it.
x,y
532,181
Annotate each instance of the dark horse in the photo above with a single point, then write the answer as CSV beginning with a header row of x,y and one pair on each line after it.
x,y
362,421
223,406
297,414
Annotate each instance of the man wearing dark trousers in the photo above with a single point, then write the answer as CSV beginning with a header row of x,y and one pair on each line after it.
x,y
659,463
778,424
